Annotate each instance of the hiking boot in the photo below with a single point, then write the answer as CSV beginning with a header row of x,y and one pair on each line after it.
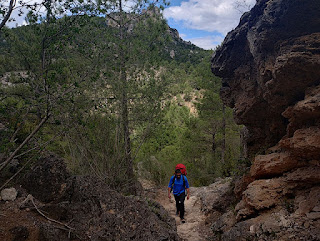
x,y
183,220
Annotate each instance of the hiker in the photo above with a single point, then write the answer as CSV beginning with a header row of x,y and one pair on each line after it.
x,y
179,184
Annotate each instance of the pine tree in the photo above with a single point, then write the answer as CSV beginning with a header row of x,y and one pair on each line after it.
x,y
43,84
134,89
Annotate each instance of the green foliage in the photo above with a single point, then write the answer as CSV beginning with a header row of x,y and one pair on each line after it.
x,y
38,84
90,84
192,139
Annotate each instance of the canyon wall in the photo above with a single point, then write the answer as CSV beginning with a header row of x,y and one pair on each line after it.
x,y
270,70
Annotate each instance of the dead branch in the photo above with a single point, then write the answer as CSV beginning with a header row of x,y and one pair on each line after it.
x,y
9,159
11,178
3,98
13,137
50,219
40,146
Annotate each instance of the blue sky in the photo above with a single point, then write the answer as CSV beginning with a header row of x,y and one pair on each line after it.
x,y
205,22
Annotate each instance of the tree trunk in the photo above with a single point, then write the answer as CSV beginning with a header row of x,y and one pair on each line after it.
x,y
213,147
223,146
243,142
124,105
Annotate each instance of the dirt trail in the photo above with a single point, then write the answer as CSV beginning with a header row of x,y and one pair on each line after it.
x,y
194,229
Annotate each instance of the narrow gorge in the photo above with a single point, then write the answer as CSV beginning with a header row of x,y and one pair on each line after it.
x,y
93,125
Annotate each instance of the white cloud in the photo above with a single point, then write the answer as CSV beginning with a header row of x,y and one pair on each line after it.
x,y
207,42
208,15
19,13
182,35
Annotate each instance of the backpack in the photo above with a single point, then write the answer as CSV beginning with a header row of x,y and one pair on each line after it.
x,y
182,168
184,182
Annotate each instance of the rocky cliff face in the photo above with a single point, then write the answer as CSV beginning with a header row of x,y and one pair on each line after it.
x,y
269,63
270,68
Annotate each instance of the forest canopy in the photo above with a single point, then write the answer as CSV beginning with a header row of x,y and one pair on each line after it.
x,y
117,94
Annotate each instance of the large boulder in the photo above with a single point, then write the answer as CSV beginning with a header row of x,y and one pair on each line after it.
x,y
304,144
265,193
262,194
273,225
47,180
274,164
217,196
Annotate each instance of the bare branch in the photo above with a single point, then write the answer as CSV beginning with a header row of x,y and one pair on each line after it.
x,y
9,159
3,98
16,174
50,219
6,18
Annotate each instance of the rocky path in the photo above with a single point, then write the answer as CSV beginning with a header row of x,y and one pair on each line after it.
x,y
194,229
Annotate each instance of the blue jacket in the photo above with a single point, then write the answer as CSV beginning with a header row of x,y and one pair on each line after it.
x,y
178,187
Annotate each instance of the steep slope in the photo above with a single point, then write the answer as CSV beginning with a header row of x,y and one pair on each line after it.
x,y
270,66
170,48
65,207
78,207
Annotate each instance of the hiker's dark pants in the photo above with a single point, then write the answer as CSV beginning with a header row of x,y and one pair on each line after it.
x,y
180,203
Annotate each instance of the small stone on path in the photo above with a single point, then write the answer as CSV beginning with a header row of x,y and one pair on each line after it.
x,y
9,194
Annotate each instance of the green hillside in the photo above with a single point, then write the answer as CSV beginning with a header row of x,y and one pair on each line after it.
x,y
111,99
